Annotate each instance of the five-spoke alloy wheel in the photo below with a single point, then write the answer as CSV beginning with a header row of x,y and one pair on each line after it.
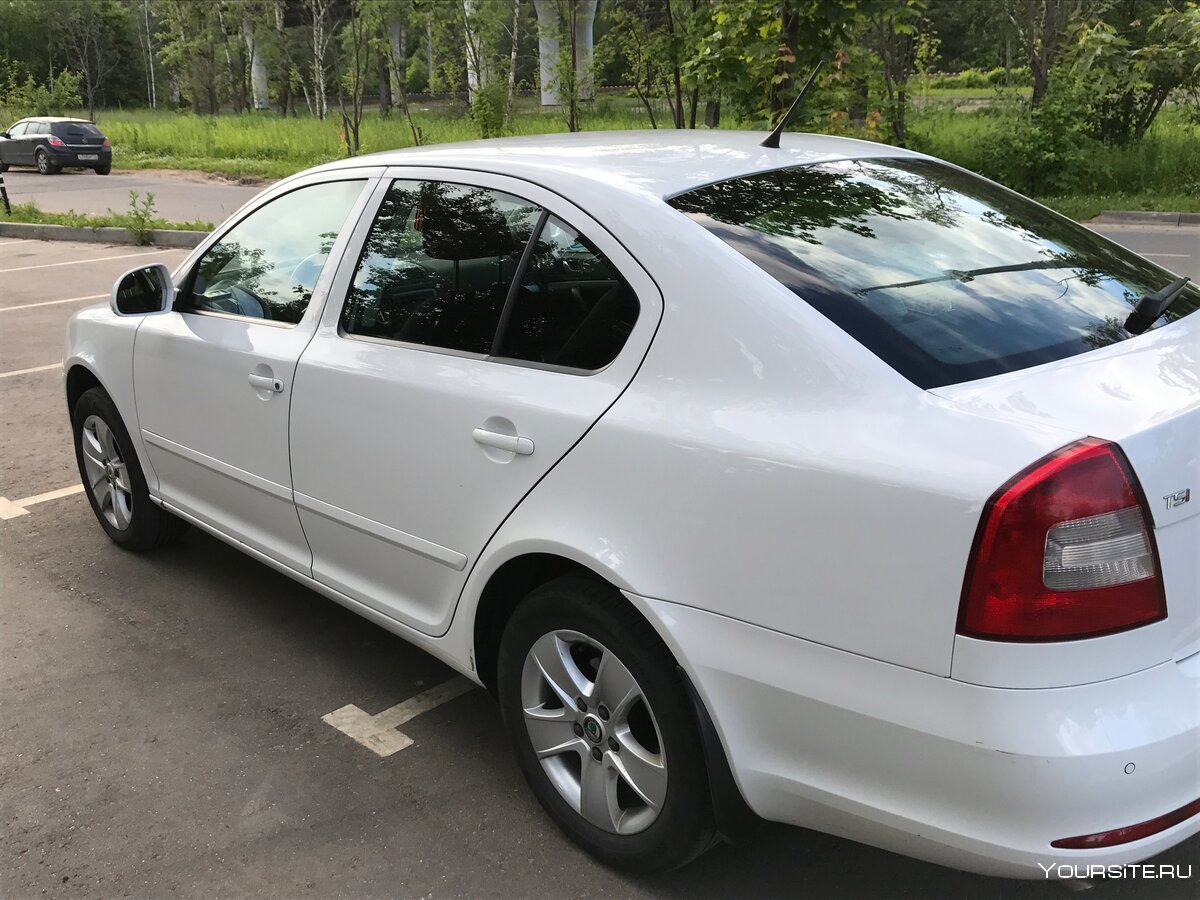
x,y
603,726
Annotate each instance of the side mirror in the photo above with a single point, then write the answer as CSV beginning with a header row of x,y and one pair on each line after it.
x,y
144,291
5,135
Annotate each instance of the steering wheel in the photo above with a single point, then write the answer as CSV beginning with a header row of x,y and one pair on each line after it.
x,y
244,302
308,270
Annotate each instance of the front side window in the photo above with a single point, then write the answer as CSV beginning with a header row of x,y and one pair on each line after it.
x,y
943,275
571,308
437,265
267,265
17,130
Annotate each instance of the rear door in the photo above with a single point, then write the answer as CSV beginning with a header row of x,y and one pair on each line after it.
x,y
463,364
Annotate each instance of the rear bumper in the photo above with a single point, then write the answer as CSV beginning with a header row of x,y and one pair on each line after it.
x,y
976,778
73,157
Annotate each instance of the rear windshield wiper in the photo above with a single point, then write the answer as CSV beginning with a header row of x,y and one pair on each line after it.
x,y
966,275
1150,307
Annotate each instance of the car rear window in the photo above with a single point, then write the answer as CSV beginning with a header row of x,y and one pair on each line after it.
x,y
945,276
76,130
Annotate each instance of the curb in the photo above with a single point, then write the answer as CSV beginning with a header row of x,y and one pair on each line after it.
x,y
1149,218
156,236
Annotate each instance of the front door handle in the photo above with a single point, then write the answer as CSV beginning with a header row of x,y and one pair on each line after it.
x,y
522,446
265,383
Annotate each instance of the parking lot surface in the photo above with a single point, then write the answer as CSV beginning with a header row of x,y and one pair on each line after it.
x,y
162,726
177,197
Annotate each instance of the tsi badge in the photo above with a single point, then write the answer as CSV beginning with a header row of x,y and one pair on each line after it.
x,y
1178,498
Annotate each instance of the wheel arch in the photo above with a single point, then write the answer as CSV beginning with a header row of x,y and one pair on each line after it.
x,y
79,379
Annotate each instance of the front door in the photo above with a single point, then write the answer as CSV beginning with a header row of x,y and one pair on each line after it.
x,y
213,380
486,326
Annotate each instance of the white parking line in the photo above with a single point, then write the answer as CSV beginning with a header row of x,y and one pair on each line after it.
x,y
57,365
4,309
10,509
378,733
1164,255
17,241
79,262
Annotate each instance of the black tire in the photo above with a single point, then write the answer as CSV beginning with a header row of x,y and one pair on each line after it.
x,y
685,825
3,167
44,166
103,170
149,526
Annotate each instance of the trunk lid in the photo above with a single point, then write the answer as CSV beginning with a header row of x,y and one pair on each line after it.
x,y
1144,395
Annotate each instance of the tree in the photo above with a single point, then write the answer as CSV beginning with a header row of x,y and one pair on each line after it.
x,y
1131,58
565,39
891,34
352,61
87,34
323,29
1041,26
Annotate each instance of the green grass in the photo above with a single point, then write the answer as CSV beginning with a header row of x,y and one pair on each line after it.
x,y
30,214
1162,172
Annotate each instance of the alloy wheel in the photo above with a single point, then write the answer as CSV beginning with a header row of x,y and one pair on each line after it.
x,y
107,474
593,732
43,162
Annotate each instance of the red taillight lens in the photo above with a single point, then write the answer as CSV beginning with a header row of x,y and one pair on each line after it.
x,y
1129,833
106,143
56,141
1065,550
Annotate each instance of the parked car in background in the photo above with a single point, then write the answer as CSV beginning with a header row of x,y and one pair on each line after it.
x,y
829,480
53,143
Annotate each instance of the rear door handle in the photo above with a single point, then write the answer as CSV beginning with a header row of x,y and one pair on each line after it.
x,y
265,383
522,446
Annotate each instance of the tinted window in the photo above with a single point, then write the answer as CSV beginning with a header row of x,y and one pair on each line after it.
x,y
945,276
437,265
571,307
267,265
76,130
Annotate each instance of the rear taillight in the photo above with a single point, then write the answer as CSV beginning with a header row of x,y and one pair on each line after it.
x,y
1065,550
56,141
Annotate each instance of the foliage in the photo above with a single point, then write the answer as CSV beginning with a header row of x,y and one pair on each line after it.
x,y
140,217
28,98
1132,63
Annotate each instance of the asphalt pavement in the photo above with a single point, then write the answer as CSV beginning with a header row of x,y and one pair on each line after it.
x,y
178,197
161,730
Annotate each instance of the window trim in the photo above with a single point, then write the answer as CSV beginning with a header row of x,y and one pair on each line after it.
x,y
192,264
544,216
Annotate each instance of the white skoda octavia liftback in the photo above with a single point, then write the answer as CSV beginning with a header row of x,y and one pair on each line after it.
x,y
831,482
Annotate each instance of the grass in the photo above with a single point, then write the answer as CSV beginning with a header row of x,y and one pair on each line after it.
x,y
1161,172
29,213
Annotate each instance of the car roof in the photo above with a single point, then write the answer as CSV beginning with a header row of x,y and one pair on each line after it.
x,y
657,162
54,119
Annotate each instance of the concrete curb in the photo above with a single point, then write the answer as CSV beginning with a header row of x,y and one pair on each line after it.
x,y
1117,216
157,237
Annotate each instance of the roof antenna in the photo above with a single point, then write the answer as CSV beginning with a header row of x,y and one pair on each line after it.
x,y
772,139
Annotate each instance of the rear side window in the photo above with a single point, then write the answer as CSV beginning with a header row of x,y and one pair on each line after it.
x,y
37,128
571,308
943,275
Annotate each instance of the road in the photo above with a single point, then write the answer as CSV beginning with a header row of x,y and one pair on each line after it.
x,y
161,730
1172,247
177,197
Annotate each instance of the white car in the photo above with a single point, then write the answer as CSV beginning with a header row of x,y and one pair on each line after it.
x,y
831,482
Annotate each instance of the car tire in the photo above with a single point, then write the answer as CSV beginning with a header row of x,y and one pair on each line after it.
x,y
113,479
608,745
103,170
44,166
3,167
